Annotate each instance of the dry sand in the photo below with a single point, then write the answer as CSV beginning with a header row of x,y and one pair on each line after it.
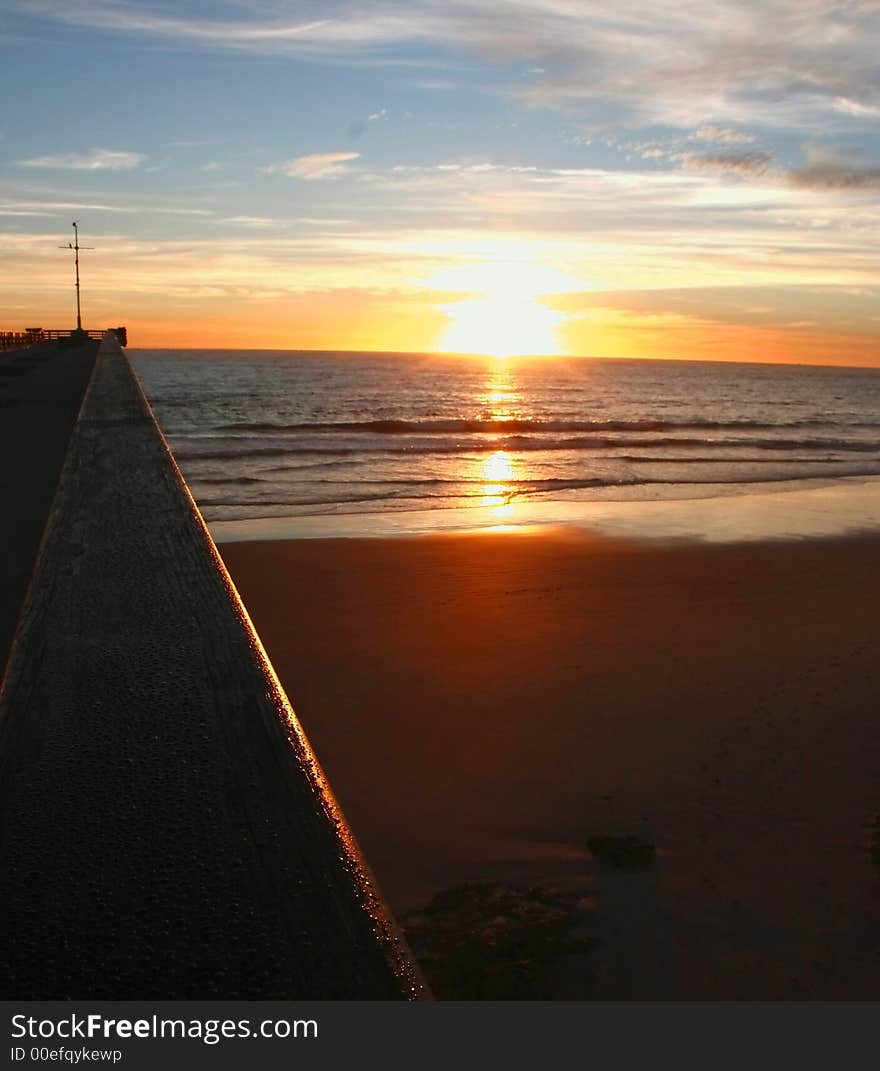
x,y
485,703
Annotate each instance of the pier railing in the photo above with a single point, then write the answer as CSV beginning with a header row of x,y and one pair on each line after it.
x,y
32,336
166,831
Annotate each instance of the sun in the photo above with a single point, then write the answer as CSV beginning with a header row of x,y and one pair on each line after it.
x,y
503,316
501,327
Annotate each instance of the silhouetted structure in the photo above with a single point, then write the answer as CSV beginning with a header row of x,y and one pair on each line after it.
x,y
75,246
32,336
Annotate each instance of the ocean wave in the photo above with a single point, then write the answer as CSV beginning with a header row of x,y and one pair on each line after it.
x,y
417,490
182,454
488,427
238,480
522,444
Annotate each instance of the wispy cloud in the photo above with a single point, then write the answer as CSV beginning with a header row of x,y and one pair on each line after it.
x,y
184,211
55,207
31,207
96,160
249,221
316,165
22,212
736,163
358,126
856,108
836,176
439,85
342,29
723,63
722,135
284,222
840,169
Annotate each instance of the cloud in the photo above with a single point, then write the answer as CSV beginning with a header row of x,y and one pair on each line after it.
x,y
736,163
56,207
766,305
719,65
316,166
30,207
856,108
825,169
836,176
337,30
21,212
835,169
281,222
611,230
250,221
723,135
96,160
184,211
357,126
439,85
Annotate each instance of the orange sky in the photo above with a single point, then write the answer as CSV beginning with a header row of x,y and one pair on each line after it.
x,y
504,294
403,328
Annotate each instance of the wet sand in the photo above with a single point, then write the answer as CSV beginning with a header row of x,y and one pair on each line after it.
x,y
486,703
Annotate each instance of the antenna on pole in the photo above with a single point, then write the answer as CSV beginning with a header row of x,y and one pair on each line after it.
x,y
75,246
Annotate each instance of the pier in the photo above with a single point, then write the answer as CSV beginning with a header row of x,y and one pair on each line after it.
x,y
167,832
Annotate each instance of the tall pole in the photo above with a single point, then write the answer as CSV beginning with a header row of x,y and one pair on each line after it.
x,y
75,246
76,261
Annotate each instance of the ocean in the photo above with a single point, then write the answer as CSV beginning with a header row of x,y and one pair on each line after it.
x,y
263,435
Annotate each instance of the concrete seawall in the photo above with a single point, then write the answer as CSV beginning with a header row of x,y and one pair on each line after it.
x,y
166,830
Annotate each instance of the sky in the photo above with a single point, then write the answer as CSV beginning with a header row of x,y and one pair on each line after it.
x,y
649,178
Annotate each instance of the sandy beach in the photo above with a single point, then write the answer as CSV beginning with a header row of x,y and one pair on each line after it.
x,y
486,703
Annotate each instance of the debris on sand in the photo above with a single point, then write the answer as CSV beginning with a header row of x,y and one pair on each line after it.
x,y
494,941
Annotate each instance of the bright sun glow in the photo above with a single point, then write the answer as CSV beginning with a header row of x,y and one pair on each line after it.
x,y
497,471
509,318
502,327
497,467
